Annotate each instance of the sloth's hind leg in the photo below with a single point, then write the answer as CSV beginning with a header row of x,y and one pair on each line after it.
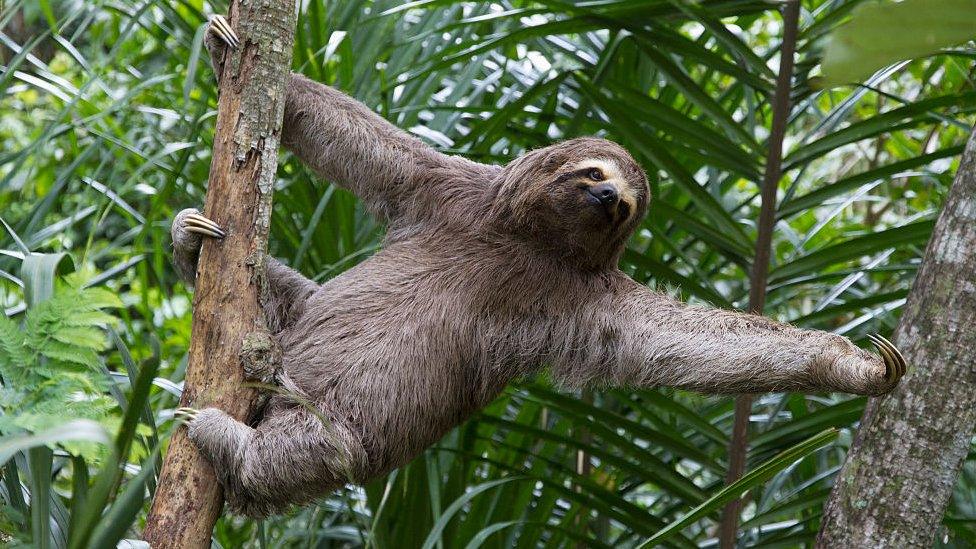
x,y
293,456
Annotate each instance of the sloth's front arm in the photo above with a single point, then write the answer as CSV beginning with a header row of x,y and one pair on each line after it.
x,y
394,173
347,144
650,339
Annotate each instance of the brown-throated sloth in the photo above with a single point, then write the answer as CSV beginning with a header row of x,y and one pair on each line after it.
x,y
487,273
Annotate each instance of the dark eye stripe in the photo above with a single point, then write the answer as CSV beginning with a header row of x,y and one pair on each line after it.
x,y
585,172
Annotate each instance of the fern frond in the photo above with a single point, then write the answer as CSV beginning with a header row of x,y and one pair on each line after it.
x,y
65,352
13,351
81,336
100,298
89,318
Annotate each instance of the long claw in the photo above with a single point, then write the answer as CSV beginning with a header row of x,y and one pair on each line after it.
x,y
186,415
895,364
201,230
899,358
890,369
196,223
220,27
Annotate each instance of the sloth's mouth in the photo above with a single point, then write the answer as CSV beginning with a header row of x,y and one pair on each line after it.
x,y
608,211
623,211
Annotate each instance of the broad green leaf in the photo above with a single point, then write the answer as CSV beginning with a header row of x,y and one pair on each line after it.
x,y
39,272
913,233
880,33
748,481
40,458
114,524
848,184
79,429
434,537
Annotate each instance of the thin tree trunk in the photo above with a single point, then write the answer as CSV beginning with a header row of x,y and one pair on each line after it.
x,y
900,472
226,304
760,265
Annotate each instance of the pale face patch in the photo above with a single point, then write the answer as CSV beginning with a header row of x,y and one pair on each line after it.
x,y
612,175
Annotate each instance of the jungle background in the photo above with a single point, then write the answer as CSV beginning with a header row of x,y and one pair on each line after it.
x,y
106,123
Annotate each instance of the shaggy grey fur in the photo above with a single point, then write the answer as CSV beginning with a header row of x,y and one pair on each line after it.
x,y
487,273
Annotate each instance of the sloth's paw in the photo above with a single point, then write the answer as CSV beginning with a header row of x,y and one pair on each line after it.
x,y
189,223
219,37
185,414
220,28
872,374
188,230
219,437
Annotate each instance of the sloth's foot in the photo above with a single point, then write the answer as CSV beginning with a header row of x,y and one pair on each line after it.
x,y
221,439
189,228
221,28
193,222
219,37
861,372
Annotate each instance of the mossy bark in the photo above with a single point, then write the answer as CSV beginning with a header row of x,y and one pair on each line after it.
x,y
900,472
229,284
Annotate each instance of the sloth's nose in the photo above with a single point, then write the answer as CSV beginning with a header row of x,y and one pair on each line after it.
x,y
605,193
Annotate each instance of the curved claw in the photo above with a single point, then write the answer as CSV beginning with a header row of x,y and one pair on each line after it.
x,y
895,363
186,414
900,359
220,27
196,223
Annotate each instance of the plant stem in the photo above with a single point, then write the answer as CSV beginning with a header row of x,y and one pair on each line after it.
x,y
760,265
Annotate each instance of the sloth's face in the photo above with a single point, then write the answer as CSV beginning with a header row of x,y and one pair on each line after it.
x,y
580,198
598,195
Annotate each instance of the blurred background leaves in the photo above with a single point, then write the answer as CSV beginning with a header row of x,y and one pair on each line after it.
x,y
922,27
107,119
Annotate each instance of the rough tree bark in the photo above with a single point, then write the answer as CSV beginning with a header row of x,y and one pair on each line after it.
x,y
226,306
728,529
900,472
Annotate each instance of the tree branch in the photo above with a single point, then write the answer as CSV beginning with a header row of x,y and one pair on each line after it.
x,y
230,282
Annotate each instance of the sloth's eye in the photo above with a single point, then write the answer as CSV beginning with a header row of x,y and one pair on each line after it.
x,y
595,174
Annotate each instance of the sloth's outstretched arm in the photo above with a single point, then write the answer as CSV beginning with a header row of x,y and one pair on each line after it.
x,y
649,339
394,173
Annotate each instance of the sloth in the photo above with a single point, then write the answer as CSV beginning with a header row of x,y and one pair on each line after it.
x,y
487,274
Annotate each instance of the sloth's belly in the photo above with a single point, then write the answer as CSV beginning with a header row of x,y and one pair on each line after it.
x,y
399,370
403,350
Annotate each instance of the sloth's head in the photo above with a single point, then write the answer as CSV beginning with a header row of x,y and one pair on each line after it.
x,y
581,198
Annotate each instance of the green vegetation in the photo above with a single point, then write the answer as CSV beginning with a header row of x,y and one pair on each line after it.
x,y
106,121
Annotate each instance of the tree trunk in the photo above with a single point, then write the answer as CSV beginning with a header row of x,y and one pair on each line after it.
x,y
229,284
900,472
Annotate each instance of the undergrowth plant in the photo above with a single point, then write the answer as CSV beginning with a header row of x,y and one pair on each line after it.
x,y
50,362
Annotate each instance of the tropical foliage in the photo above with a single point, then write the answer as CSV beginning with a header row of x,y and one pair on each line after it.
x,y
107,120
